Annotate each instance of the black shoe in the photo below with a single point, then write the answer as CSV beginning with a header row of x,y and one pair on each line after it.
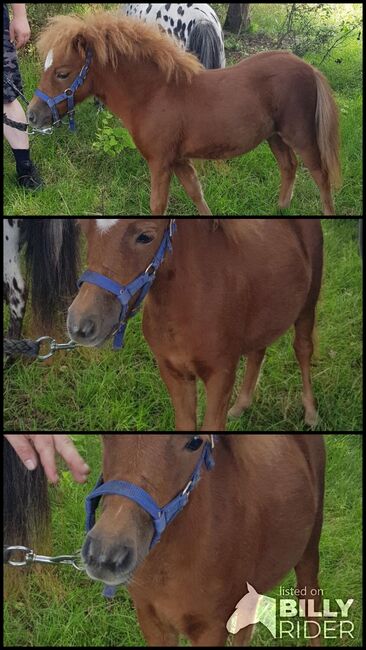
x,y
28,176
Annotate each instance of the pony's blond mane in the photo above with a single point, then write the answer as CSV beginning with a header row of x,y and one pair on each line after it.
x,y
111,35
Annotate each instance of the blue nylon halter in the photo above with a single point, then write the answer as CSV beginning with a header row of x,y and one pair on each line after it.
x,y
67,95
161,517
125,293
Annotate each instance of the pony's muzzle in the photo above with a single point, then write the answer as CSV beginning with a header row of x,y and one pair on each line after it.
x,y
112,562
38,114
93,317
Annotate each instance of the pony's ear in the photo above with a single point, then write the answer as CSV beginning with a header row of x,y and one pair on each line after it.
x,y
79,44
251,590
215,224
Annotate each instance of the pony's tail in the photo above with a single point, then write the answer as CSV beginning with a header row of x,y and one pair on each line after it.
x,y
26,508
53,260
26,514
205,43
327,126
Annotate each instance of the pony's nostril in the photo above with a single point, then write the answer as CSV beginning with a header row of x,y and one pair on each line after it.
x,y
31,117
87,328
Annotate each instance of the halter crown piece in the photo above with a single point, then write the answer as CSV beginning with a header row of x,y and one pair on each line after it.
x,y
161,517
142,284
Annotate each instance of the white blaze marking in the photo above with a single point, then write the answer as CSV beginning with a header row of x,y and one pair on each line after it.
x,y
106,224
49,60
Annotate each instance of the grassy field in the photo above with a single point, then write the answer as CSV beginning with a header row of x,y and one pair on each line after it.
x,y
82,181
61,608
103,391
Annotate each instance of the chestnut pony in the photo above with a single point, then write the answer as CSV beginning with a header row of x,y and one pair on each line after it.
x,y
229,288
176,110
250,520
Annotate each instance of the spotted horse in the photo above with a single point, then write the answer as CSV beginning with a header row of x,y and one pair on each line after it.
x,y
51,252
195,26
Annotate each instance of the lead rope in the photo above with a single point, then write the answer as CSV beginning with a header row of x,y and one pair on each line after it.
x,y
32,349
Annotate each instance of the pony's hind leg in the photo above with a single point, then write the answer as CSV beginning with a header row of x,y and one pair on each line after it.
x,y
245,397
304,349
312,161
307,572
287,163
188,178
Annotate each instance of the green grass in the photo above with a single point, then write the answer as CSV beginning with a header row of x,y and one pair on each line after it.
x,y
61,608
79,181
91,390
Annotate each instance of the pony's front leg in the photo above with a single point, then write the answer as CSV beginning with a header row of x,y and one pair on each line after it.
x,y
219,388
160,183
183,392
214,637
157,633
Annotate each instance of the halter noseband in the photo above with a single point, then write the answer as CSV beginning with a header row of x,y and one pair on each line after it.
x,y
142,284
67,95
161,517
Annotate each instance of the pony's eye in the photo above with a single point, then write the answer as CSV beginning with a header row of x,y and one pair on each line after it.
x,y
144,239
195,444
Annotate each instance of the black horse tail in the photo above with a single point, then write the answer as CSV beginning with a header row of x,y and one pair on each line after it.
x,y
205,43
52,252
26,508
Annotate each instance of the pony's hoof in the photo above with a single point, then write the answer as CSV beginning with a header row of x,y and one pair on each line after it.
x,y
312,419
235,413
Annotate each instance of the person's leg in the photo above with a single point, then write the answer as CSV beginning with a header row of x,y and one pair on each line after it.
x,y
27,172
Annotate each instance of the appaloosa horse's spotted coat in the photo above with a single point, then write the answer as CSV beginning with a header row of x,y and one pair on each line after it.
x,y
195,26
14,285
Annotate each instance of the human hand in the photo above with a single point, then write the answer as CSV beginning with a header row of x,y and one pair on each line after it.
x,y
27,447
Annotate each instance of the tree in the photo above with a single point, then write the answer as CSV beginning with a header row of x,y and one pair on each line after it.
x,y
237,17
